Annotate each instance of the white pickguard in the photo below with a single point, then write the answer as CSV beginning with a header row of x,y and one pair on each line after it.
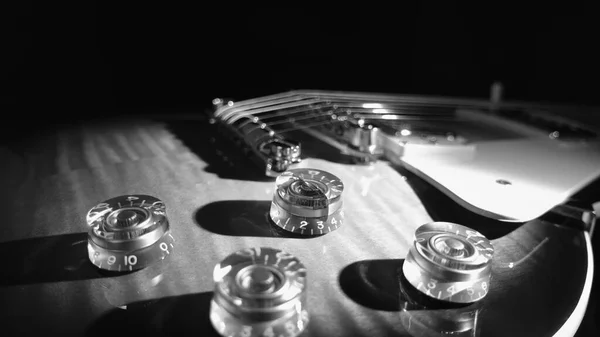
x,y
542,174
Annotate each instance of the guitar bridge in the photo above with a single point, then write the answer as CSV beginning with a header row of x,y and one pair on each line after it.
x,y
350,122
280,154
269,149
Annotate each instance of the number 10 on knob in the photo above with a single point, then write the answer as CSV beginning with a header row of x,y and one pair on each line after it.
x,y
128,233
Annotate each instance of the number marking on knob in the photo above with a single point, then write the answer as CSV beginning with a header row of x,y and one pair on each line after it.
x,y
449,262
308,202
128,233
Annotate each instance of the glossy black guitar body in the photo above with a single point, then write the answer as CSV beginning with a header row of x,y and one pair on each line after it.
x,y
217,204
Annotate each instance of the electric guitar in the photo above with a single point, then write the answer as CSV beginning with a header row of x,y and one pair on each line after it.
x,y
515,173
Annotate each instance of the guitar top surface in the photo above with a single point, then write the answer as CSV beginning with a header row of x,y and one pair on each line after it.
x,y
216,207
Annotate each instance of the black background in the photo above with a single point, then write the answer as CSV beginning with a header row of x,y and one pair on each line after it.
x,y
77,60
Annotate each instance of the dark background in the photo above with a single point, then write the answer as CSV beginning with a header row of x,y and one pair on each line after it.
x,y
80,59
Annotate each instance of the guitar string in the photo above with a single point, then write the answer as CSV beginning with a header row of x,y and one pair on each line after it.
x,y
305,126
297,126
347,110
407,109
301,126
284,118
390,109
341,104
418,107
421,105
355,114
281,117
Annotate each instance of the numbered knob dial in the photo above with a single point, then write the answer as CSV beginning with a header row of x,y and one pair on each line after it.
x,y
259,292
449,262
308,202
128,233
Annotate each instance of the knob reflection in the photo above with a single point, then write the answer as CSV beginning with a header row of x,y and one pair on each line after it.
x,y
422,315
382,286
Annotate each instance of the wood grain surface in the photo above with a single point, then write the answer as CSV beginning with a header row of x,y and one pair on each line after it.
x,y
216,206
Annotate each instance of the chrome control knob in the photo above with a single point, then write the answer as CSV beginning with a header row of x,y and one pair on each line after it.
x,y
128,233
259,292
308,202
449,262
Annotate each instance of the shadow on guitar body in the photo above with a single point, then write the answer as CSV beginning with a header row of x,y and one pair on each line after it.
x,y
228,160
441,207
57,258
381,285
538,275
373,284
167,316
221,155
241,218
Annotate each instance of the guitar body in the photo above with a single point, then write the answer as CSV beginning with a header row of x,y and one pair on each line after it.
x,y
218,203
